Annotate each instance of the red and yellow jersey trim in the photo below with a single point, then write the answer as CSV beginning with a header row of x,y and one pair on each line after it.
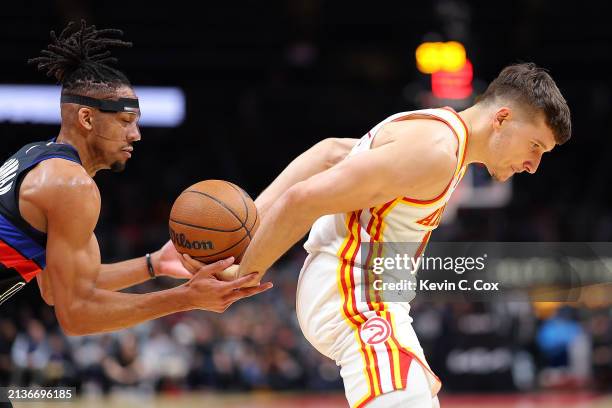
x,y
461,151
400,357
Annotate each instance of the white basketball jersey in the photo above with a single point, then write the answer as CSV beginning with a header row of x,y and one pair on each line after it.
x,y
400,220
334,315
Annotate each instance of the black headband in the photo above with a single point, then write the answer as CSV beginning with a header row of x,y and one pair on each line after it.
x,y
105,105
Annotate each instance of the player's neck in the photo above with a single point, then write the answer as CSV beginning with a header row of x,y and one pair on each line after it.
x,y
478,134
77,141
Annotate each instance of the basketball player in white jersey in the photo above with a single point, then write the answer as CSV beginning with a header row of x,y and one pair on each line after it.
x,y
393,187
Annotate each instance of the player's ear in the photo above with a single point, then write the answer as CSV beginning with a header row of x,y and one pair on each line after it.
x,y
502,114
85,118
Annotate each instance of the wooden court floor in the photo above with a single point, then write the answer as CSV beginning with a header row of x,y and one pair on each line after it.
x,y
295,400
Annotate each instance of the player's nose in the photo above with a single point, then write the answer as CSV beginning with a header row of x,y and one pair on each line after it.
x,y
531,166
134,134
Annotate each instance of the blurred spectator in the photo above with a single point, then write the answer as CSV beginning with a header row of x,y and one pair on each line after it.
x,y
601,334
257,345
123,365
30,354
269,95
60,369
565,350
8,332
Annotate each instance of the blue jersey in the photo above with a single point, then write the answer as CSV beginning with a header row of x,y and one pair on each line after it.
x,y
22,247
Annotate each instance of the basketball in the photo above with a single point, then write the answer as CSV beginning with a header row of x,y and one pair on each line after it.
x,y
213,220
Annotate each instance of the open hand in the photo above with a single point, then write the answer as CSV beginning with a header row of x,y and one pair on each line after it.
x,y
229,274
167,262
209,293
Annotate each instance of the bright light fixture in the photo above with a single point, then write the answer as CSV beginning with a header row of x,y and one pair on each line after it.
x,y
160,106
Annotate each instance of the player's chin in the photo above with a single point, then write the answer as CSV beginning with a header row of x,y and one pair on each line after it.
x,y
505,177
501,177
118,166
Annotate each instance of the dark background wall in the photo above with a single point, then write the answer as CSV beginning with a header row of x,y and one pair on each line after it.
x,y
266,80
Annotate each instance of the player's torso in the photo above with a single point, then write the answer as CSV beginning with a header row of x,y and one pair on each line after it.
x,y
400,220
22,247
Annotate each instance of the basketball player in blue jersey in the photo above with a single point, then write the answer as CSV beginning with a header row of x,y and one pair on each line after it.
x,y
393,187
49,203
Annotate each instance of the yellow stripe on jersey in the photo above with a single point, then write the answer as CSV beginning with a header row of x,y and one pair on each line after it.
x,y
346,254
380,306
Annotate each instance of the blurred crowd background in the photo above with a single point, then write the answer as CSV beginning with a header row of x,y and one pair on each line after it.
x,y
263,81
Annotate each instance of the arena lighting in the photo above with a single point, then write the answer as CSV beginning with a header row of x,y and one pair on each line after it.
x,y
432,57
453,85
160,106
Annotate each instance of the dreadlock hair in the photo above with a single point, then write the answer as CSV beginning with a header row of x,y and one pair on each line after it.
x,y
79,60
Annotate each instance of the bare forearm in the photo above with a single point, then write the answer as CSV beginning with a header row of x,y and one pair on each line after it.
x,y
318,158
121,275
287,222
105,311
302,167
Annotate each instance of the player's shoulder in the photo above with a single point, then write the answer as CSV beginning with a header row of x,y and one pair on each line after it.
x,y
57,180
65,173
430,141
432,134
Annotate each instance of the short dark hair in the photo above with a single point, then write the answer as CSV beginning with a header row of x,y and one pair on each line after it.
x,y
79,60
532,86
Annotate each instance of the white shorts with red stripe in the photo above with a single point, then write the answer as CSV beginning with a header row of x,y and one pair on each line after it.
x,y
373,343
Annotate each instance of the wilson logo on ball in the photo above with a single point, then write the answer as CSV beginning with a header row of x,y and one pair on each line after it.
x,y
182,241
375,330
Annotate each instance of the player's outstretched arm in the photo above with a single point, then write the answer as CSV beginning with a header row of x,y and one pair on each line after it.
x,y
73,264
318,158
415,159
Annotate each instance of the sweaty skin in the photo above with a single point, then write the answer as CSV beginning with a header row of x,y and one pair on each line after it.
x,y
60,198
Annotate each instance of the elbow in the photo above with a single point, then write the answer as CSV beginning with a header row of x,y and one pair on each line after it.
x,y
293,198
70,322
297,203
334,150
69,329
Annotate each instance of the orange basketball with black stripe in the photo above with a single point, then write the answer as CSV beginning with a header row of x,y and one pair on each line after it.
x,y
213,220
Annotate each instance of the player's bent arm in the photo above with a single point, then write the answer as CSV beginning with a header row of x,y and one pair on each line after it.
x,y
73,263
420,167
318,158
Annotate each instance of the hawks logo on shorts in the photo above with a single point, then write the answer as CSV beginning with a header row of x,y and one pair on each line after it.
x,y
375,330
